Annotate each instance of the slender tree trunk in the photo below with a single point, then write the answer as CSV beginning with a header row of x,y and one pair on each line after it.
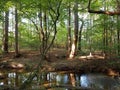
x,y
41,32
118,35
80,36
16,33
69,30
111,39
5,40
75,37
105,38
45,29
105,33
106,42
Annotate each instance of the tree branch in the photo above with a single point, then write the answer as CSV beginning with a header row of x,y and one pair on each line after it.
x,y
104,12
101,11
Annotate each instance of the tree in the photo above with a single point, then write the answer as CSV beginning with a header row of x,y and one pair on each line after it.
x,y
110,13
5,40
54,12
69,29
75,37
16,33
80,35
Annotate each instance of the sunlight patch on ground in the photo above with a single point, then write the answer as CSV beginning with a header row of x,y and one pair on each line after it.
x,y
16,65
91,57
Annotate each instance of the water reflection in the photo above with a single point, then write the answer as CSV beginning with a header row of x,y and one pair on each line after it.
x,y
84,81
63,80
99,81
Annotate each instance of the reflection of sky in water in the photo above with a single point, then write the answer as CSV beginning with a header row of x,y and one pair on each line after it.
x,y
84,81
1,83
63,79
10,75
51,76
99,81
87,80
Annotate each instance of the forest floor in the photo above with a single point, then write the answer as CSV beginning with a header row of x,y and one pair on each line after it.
x,y
57,61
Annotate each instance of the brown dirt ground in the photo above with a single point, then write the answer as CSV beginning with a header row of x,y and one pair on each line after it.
x,y
57,61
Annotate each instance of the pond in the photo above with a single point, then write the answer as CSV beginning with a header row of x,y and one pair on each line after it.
x,y
60,81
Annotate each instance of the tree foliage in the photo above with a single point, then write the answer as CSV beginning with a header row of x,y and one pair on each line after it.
x,y
56,12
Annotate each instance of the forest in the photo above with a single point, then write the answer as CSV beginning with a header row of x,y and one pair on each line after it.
x,y
41,40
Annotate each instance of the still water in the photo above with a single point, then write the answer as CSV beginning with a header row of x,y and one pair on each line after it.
x,y
61,81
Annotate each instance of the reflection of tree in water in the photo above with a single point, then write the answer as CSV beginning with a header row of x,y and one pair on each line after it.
x,y
64,80
3,78
72,79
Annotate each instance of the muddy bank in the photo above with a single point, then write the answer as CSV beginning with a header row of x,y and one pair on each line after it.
x,y
57,61
110,67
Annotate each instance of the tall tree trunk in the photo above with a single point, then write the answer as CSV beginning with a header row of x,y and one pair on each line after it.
x,y
111,39
69,30
80,35
105,39
104,42
41,32
5,40
118,35
105,33
75,37
16,33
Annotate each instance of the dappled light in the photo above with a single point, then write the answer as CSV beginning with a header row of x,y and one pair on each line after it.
x,y
16,65
95,56
113,73
72,53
